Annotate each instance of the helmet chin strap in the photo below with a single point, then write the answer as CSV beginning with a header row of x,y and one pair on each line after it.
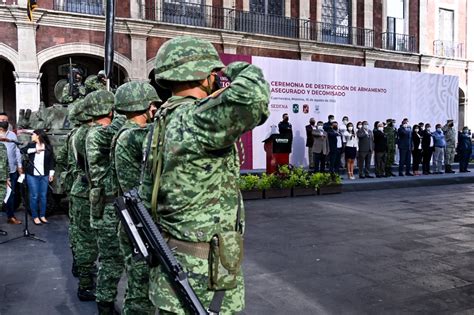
x,y
208,88
147,114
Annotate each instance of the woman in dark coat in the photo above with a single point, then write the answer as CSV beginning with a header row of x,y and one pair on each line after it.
x,y
464,149
417,153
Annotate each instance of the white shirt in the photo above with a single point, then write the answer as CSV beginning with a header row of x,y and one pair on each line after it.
x,y
351,140
38,169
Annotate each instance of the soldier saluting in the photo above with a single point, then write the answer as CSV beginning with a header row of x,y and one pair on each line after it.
x,y
190,179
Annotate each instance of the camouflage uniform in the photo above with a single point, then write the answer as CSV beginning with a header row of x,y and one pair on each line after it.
x,y
66,98
451,136
4,170
86,245
92,83
391,143
103,218
127,158
199,196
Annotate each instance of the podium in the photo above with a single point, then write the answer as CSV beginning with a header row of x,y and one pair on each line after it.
x,y
278,149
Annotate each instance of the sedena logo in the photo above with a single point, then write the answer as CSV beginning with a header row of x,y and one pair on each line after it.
x,y
296,108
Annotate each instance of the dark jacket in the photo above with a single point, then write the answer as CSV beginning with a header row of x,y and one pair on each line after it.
x,y
332,138
285,128
426,141
380,141
48,159
464,143
416,140
404,139
309,136
327,126
366,140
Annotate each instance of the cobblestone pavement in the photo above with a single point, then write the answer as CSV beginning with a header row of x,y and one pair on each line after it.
x,y
399,251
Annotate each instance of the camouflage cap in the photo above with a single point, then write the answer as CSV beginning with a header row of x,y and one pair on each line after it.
x,y
98,103
186,58
135,96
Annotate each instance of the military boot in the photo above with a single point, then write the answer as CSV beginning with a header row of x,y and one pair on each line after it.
x,y
86,294
449,170
107,308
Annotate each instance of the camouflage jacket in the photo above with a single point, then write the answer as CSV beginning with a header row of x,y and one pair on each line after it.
x,y
4,170
65,160
128,154
66,98
199,195
80,186
391,137
93,84
450,135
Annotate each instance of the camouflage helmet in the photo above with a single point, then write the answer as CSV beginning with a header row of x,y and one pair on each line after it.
x,y
186,58
101,73
77,110
135,96
98,103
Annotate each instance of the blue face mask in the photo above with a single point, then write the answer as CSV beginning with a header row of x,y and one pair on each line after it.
x,y
438,129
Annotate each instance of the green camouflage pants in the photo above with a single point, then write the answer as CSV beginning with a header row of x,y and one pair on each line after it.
x,y
85,248
72,228
136,301
449,155
389,160
164,299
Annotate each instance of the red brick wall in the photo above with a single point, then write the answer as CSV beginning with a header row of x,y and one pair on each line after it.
x,y
152,46
123,44
44,4
414,21
338,59
239,4
295,8
48,36
377,16
265,52
218,3
360,13
313,10
397,65
122,8
9,34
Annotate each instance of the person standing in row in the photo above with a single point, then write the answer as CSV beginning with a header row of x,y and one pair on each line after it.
x,y
405,147
103,218
138,101
417,149
310,140
39,172
450,136
366,147
320,148
342,130
335,148
380,149
350,149
427,147
391,134
439,145
464,149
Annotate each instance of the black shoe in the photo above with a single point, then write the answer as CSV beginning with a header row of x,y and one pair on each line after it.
x,y
409,174
361,177
426,173
430,172
86,294
379,176
369,176
391,174
107,308
400,174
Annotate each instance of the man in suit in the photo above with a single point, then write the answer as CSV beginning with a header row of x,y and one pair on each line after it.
x,y
405,146
328,124
366,147
285,127
310,141
427,147
380,149
320,147
335,148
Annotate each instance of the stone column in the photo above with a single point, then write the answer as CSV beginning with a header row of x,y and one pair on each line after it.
x,y
369,14
304,19
422,30
469,96
288,8
138,48
27,90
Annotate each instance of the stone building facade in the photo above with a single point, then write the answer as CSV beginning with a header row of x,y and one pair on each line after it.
x,y
414,35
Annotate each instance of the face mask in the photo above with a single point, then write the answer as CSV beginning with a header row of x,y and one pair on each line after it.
x,y
366,127
466,131
350,128
4,125
359,126
405,125
345,122
335,127
380,128
320,127
416,130
438,129
331,120
428,129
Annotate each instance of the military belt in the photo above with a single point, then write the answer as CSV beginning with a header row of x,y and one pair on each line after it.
x,y
199,250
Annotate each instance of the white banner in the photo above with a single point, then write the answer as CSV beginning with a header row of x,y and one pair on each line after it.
x,y
305,89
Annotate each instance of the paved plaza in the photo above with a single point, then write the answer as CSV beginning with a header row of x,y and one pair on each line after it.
x,y
393,251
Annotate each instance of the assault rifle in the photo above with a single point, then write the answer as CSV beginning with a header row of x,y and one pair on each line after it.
x,y
150,245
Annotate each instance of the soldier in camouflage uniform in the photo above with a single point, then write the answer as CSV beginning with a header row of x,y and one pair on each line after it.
x,y
65,160
78,90
451,137
85,247
4,171
103,218
389,130
136,100
194,196
96,82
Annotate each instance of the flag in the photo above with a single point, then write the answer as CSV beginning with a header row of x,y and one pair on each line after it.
x,y
31,6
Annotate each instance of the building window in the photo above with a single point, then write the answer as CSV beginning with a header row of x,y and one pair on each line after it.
x,y
446,25
395,38
272,7
188,12
336,21
94,7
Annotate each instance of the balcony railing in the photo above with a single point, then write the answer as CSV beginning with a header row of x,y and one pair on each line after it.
x,y
399,42
448,49
252,22
94,7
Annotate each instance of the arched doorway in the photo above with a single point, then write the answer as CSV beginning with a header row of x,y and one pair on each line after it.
x,y
58,68
7,89
462,109
164,94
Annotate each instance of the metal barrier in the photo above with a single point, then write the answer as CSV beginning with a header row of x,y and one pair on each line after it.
x,y
399,42
93,7
448,49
